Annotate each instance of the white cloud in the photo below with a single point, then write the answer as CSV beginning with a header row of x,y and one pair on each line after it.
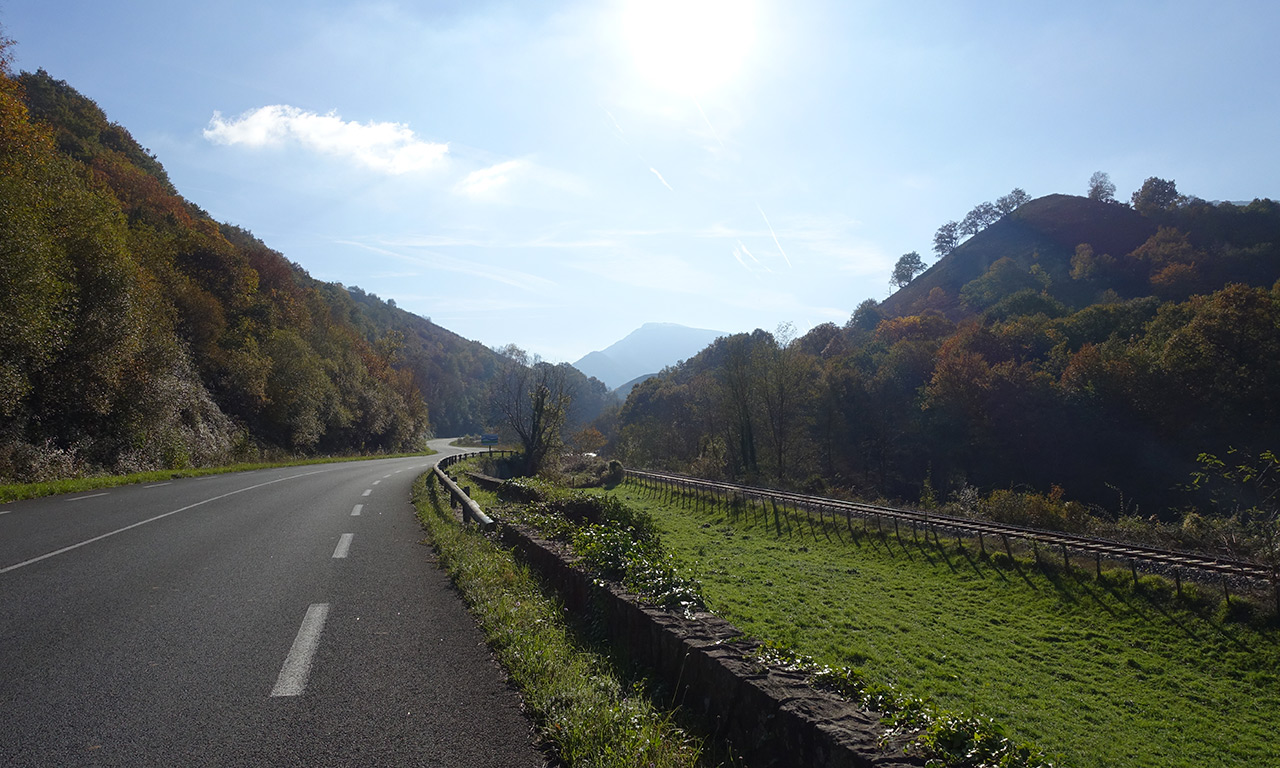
x,y
386,147
523,180
486,183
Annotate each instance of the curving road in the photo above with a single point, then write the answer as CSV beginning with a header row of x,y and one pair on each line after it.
x,y
279,617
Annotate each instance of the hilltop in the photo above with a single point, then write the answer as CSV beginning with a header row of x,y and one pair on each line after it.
x,y
1073,348
1045,232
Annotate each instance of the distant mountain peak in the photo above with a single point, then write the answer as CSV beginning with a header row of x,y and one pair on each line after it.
x,y
648,349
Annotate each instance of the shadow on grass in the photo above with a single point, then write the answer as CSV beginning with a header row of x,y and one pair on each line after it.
x,y
973,563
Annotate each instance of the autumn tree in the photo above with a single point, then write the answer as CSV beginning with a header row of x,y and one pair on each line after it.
x,y
589,440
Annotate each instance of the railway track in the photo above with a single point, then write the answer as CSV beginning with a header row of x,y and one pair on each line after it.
x,y
1167,561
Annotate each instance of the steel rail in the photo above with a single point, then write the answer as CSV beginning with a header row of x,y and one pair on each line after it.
x,y
1112,550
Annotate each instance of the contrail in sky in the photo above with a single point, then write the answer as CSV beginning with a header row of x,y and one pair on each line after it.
x,y
622,136
714,132
740,249
775,235
763,266
664,181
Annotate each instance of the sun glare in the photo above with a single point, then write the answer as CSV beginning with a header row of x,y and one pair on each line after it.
x,y
689,46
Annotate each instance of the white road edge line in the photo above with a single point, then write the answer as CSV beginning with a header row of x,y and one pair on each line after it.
x,y
355,511
157,485
90,496
297,665
344,545
48,555
367,492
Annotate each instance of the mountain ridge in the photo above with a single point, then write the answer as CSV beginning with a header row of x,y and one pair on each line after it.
x,y
646,350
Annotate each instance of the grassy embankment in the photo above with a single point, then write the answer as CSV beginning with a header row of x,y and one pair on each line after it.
x,y
585,712
20,491
1084,667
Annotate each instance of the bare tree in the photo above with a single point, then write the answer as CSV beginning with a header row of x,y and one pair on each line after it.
x,y
784,389
738,389
1101,188
532,398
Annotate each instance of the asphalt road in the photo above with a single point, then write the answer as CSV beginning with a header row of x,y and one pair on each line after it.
x,y
283,617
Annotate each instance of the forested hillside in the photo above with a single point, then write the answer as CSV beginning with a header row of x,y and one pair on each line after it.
x,y
136,332
1075,346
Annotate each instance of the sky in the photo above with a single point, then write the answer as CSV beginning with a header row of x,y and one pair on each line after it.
x,y
556,174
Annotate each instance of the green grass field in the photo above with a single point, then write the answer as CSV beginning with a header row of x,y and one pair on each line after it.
x,y
1093,673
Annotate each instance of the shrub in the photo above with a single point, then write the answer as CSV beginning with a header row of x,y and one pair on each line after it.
x,y
615,475
1036,510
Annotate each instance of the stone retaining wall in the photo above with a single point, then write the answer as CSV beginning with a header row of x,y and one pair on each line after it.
x,y
771,717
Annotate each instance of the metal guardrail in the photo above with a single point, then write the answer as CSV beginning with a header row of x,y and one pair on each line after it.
x,y
1164,560
461,495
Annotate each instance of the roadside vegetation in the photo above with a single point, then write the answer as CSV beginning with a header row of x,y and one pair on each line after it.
x,y
1090,669
621,542
586,712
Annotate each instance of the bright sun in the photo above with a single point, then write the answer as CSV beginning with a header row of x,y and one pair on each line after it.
x,y
689,46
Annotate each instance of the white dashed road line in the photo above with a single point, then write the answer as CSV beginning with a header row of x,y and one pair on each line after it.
x,y
367,492
344,545
157,485
297,665
355,511
90,496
